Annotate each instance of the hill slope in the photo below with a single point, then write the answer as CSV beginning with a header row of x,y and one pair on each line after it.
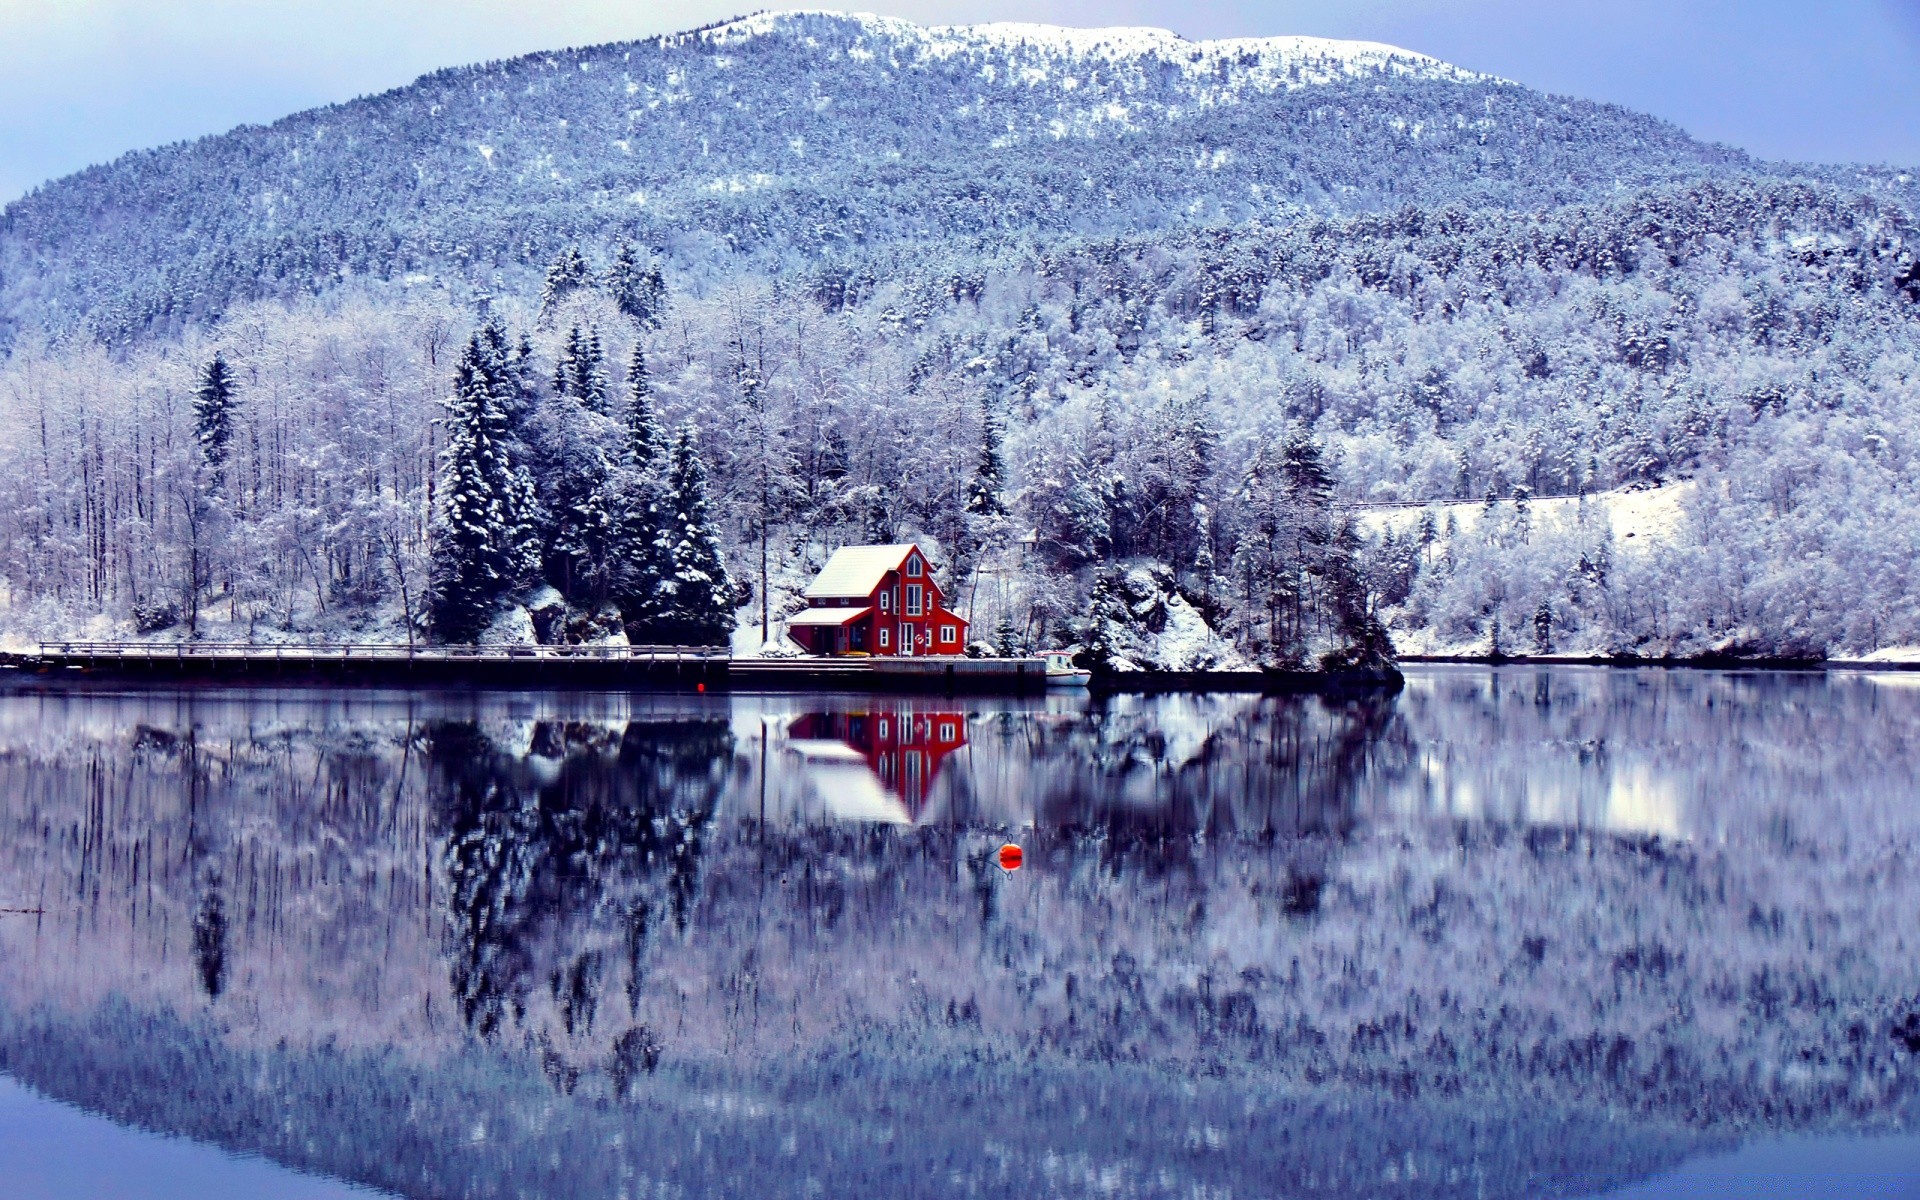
x,y
802,136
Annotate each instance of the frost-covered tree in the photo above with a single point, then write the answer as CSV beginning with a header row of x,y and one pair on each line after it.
x,y
485,541
566,274
638,289
213,415
696,597
990,468
581,371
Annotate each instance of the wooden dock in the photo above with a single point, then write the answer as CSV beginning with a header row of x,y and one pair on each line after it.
x,y
684,668
617,668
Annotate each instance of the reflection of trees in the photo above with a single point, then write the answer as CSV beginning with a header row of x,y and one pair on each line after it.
x,y
582,826
1278,766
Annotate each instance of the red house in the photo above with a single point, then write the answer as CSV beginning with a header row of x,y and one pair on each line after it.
x,y
877,600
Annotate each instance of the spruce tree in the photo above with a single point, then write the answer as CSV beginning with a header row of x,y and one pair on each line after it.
x,y
213,406
484,538
640,291
641,558
566,274
990,470
645,440
580,372
697,594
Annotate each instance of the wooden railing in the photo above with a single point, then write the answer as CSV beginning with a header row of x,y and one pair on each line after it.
x,y
339,652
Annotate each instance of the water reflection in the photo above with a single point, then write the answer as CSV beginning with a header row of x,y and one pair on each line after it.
x,y
877,763
1514,933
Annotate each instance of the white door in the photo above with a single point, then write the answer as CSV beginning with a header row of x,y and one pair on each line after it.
x,y
906,638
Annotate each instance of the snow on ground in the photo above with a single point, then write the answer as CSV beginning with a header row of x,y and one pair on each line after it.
x,y
1886,656
1641,518
1272,63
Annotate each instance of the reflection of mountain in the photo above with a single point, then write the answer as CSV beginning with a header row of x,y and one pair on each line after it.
x,y
536,947
900,746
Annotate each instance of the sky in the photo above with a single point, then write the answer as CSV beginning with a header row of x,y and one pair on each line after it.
x,y
82,81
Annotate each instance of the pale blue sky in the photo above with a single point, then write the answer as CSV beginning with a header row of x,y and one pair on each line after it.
x,y
84,80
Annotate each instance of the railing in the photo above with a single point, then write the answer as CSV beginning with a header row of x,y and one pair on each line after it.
x,y
357,652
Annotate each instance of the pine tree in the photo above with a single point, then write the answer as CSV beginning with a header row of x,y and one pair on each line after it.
x,y
697,596
645,440
641,556
566,274
640,291
582,546
485,542
591,383
580,371
990,470
213,409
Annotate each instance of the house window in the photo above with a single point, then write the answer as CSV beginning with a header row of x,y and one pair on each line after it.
x,y
948,635
946,731
913,599
883,637
886,602
913,564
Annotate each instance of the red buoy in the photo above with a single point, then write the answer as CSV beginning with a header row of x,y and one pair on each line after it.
x,y
1011,857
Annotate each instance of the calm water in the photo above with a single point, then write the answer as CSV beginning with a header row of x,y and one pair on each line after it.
x,y
1525,932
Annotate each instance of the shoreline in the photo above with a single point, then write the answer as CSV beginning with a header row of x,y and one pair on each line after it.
x,y
1695,662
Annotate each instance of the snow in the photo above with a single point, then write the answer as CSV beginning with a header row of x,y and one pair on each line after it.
x,y
854,571
1886,656
1269,63
513,627
1641,518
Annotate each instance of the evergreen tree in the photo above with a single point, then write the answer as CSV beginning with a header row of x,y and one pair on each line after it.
x,y
213,410
580,371
566,274
485,542
645,439
640,291
697,596
583,541
990,470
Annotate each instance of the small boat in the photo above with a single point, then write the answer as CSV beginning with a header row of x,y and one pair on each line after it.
x,y
1062,673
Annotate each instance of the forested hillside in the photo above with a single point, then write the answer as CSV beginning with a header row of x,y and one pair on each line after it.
x,y
1122,326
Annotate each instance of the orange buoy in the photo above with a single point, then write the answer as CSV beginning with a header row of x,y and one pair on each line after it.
x,y
1011,856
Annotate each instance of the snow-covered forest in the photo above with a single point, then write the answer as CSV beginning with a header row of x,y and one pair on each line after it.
x,y
1130,332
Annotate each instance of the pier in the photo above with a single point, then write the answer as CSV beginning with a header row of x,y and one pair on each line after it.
x,y
690,668
654,668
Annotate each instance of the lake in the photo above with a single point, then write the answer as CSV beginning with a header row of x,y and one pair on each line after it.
x,y
1518,931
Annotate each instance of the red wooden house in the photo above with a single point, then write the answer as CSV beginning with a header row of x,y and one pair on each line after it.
x,y
877,600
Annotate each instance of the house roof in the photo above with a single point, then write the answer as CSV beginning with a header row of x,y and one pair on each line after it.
x,y
826,616
857,570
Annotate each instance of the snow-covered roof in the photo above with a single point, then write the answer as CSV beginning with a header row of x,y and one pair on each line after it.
x,y
827,616
857,570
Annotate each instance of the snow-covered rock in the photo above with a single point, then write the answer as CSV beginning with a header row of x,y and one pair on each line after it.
x,y
1141,622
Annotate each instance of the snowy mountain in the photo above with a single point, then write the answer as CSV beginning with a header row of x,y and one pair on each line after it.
x,y
795,137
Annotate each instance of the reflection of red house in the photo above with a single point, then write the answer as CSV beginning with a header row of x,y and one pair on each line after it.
x,y
877,600
904,748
